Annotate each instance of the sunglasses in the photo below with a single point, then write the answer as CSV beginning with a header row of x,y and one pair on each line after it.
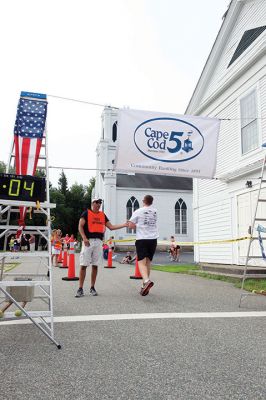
x,y
97,202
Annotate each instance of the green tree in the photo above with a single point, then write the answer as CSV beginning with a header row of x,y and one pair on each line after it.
x,y
40,173
89,190
2,167
69,203
62,183
62,213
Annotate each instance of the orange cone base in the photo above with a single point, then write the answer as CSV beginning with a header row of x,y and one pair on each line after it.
x,y
109,267
66,278
135,277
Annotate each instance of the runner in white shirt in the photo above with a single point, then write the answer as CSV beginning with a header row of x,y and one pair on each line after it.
x,y
145,221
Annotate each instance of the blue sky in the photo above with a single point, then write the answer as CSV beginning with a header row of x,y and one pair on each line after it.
x,y
145,54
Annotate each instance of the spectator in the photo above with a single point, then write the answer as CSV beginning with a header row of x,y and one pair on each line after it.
x,y
127,259
11,243
16,245
174,249
56,241
105,251
24,242
32,242
66,240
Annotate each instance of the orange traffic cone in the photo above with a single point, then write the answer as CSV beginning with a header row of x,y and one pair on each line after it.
x,y
137,273
60,257
110,259
71,267
64,265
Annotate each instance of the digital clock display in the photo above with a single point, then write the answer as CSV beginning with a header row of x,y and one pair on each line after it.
x,y
22,187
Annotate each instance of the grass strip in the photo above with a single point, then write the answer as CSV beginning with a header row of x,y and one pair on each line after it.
x,y
192,269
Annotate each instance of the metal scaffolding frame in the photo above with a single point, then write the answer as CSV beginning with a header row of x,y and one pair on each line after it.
x,y
43,320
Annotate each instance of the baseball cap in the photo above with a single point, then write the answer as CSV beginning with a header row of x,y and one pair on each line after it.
x,y
97,199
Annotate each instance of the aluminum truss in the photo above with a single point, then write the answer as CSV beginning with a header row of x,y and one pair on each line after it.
x,y
43,320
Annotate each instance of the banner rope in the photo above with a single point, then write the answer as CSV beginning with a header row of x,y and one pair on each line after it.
x,y
166,242
117,108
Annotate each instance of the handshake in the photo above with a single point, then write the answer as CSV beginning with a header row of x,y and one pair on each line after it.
x,y
130,225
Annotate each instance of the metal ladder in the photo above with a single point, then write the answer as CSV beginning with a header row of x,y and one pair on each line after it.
x,y
254,236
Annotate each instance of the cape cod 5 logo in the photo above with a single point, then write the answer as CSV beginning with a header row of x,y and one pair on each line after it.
x,y
168,140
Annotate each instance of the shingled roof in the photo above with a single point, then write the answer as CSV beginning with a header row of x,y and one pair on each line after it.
x,y
148,181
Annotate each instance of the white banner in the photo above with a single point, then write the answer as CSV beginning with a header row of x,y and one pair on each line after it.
x,y
166,144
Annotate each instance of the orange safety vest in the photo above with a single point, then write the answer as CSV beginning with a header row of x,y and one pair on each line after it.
x,y
96,222
57,245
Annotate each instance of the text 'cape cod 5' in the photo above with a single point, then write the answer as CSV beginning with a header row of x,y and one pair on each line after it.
x,y
166,144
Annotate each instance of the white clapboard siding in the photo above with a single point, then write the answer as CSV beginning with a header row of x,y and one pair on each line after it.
x,y
228,143
208,187
223,209
213,228
262,86
251,16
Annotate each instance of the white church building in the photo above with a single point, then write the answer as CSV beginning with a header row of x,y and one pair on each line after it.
x,y
123,193
232,87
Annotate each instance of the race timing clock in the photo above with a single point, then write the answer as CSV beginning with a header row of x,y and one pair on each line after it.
x,y
22,187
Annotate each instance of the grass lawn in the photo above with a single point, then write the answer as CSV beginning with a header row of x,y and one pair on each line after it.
x,y
184,268
192,269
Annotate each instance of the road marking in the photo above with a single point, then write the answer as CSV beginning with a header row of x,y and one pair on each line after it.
x,y
120,317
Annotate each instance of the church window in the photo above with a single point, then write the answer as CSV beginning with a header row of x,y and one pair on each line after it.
x,y
180,217
132,205
114,132
247,39
249,124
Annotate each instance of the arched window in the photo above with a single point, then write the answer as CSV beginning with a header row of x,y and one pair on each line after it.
x,y
180,217
114,131
132,205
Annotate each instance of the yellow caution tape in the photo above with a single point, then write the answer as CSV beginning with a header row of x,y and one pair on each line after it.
x,y
166,242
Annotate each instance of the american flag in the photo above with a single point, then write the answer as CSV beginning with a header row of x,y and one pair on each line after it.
x,y
29,131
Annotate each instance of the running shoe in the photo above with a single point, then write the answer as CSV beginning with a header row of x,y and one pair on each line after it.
x,y
146,288
93,292
80,292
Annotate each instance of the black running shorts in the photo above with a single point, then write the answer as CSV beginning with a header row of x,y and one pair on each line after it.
x,y
145,248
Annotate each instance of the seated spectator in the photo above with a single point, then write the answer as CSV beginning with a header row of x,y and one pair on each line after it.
x,y
128,259
174,249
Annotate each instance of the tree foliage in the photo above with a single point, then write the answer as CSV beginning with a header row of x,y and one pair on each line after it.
x,y
2,167
70,202
62,183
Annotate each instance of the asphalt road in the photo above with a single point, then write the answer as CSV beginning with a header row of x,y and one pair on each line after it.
x,y
204,350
